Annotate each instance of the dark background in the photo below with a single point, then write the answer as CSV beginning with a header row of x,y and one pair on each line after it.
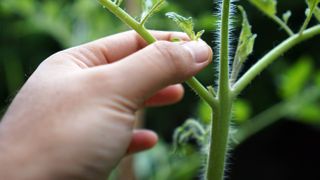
x,y
31,30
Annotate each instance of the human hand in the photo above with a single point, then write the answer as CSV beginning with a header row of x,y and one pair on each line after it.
x,y
74,117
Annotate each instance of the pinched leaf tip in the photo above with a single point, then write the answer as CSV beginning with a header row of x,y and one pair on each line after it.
x,y
185,24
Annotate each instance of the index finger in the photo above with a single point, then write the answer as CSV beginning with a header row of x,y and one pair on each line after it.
x,y
118,46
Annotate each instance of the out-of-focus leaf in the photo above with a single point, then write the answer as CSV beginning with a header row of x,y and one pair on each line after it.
x,y
286,16
14,73
246,39
185,24
204,112
21,7
242,111
150,7
207,22
317,13
190,129
309,114
294,79
317,79
160,163
269,7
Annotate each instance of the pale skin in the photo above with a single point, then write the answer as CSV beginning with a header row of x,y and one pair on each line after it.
x,y
74,117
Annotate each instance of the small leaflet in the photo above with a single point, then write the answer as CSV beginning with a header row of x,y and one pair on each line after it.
x,y
286,16
185,24
246,39
269,7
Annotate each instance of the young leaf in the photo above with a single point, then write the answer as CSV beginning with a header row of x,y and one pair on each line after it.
x,y
246,39
149,8
185,24
245,46
199,34
269,7
286,16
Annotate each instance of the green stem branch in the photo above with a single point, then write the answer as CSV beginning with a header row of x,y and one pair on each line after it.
x,y
127,19
272,56
282,24
274,114
147,36
309,16
221,116
204,94
156,6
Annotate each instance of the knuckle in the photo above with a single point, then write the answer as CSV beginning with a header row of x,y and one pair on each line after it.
x,y
177,57
166,49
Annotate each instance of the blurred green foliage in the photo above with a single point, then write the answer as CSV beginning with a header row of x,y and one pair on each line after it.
x,y
161,163
68,22
295,78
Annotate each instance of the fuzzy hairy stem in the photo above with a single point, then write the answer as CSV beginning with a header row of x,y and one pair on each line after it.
x,y
221,115
256,69
147,36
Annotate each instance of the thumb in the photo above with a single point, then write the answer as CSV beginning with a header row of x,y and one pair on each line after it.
x,y
163,63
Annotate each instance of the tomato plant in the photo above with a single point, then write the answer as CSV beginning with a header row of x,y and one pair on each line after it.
x,y
216,136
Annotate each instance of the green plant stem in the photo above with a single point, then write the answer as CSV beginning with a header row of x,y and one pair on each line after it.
x,y
221,115
147,36
156,6
202,91
309,16
274,114
272,56
127,19
282,24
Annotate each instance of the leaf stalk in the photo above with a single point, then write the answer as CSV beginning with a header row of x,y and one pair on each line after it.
x,y
275,53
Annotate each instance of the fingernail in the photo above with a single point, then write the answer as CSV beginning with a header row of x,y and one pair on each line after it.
x,y
199,50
